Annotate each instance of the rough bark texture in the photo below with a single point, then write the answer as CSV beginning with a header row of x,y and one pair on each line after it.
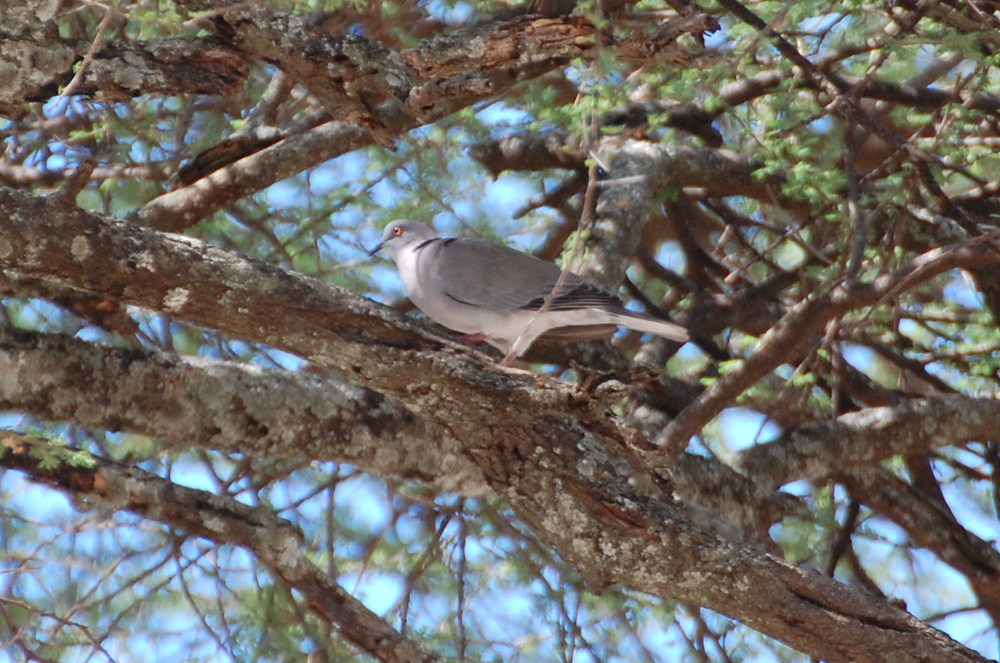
x,y
553,453
218,405
623,505
867,436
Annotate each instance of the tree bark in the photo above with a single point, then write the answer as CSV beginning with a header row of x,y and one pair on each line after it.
x,y
560,459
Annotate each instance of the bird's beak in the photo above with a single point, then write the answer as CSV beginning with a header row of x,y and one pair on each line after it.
x,y
378,247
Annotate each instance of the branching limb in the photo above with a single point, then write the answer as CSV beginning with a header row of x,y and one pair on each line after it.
x,y
228,407
275,542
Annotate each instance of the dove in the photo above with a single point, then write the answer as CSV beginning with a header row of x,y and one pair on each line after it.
x,y
507,298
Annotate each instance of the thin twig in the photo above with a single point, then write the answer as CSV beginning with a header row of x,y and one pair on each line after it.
x,y
95,46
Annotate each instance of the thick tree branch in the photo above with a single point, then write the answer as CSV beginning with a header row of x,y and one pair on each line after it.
x,y
24,38
202,66
227,407
553,453
387,92
114,71
350,75
275,542
623,209
859,439
720,173
270,413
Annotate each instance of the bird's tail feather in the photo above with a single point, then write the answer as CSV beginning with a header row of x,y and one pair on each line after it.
x,y
652,325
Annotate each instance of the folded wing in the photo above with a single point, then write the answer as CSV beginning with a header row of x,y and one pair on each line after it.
x,y
484,274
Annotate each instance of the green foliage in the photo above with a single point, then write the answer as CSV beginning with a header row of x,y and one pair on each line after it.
x,y
53,457
465,576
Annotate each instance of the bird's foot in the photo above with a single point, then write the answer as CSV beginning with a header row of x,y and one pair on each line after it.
x,y
508,359
472,339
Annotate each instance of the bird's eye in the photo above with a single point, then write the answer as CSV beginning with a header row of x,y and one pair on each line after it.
x,y
397,231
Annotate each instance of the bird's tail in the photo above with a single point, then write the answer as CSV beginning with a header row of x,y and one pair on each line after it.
x,y
651,325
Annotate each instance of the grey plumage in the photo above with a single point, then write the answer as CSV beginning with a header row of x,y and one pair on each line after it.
x,y
497,293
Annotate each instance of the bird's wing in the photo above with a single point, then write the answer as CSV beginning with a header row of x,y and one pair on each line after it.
x,y
479,273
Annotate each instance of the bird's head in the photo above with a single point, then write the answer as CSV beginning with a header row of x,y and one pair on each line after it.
x,y
401,234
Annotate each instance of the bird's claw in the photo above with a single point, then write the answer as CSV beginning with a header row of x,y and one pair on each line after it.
x,y
472,339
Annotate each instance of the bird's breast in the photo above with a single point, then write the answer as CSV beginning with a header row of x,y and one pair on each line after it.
x,y
431,300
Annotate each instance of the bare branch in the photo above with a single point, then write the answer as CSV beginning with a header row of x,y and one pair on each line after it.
x,y
860,439
388,93
164,67
228,407
274,541
796,330
931,527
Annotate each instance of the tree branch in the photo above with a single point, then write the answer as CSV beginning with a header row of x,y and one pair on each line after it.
x,y
931,527
276,542
387,92
555,454
796,330
164,67
863,438
719,172
228,407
